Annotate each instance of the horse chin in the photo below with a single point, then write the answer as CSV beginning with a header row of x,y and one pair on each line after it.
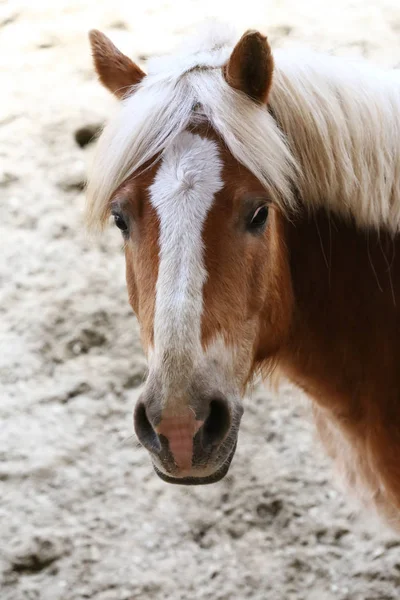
x,y
213,478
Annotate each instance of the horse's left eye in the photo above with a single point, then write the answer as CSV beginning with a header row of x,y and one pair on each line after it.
x,y
258,218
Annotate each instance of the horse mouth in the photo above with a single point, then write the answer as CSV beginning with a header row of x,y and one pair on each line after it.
x,y
213,478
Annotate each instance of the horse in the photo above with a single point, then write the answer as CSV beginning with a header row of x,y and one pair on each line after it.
x,y
258,197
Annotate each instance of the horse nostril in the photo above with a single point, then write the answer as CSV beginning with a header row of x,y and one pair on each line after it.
x,y
144,429
217,424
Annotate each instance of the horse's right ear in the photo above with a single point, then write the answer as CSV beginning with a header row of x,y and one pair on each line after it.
x,y
116,71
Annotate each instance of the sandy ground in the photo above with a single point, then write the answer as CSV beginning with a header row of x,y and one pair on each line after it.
x,y
82,515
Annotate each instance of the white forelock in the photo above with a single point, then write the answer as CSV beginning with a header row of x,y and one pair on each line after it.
x,y
336,137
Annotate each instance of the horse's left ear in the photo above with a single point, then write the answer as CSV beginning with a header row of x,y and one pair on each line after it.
x,y
250,66
117,72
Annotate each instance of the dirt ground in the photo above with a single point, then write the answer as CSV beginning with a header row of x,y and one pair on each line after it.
x,y
81,513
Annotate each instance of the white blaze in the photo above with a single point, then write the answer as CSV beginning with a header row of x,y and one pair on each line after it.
x,y
182,194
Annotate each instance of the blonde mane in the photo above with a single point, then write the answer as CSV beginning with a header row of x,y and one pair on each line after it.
x,y
335,134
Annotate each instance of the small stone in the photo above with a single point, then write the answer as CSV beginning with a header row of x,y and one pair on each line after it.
x,y
87,134
49,43
77,390
136,379
7,178
283,30
272,509
9,19
87,339
74,179
118,25
37,554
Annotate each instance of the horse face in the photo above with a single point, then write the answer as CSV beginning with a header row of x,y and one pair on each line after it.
x,y
207,275
204,273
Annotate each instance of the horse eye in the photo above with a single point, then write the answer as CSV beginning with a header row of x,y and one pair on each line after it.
x,y
258,218
120,222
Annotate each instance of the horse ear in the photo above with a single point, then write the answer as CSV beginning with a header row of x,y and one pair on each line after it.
x,y
250,66
116,71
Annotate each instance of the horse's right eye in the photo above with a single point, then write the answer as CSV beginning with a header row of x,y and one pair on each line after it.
x,y
120,222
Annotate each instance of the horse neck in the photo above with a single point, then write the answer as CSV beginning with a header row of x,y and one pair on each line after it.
x,y
344,344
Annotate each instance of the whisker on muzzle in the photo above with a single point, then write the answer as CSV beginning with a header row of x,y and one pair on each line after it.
x,y
131,440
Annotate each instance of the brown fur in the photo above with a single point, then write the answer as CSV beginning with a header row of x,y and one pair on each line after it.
x,y
141,250
247,274
344,346
117,72
250,66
